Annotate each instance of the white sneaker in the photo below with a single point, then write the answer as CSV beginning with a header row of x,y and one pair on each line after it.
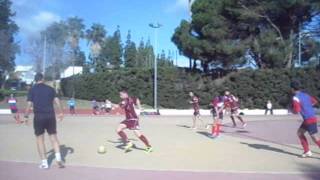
x,y
306,154
244,125
43,166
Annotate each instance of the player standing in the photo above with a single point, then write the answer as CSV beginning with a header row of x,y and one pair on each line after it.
x,y
196,109
217,105
72,106
131,122
232,102
12,101
41,97
303,104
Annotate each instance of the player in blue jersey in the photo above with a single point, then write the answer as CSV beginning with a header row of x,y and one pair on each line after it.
x,y
303,104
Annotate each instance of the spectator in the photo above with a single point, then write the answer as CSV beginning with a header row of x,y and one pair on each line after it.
x,y
95,106
269,108
108,106
72,106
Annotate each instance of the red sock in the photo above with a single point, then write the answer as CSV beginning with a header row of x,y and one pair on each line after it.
x,y
304,143
218,129
318,143
213,129
123,136
144,140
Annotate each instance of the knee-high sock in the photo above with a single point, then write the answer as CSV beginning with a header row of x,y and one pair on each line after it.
x,y
304,143
123,136
213,129
218,129
233,121
240,118
318,143
144,140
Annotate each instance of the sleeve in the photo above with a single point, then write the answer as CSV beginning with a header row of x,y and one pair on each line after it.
x,y
313,100
296,105
30,96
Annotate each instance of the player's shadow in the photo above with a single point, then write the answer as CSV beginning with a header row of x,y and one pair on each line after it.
x,y
183,126
121,145
269,148
204,133
310,171
64,151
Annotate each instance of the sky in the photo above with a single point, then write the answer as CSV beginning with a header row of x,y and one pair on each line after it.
x,y
32,16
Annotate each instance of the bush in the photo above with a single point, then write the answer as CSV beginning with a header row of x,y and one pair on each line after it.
x,y
253,87
6,93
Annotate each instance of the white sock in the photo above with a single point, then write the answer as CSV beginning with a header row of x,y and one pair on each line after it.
x,y
58,157
44,162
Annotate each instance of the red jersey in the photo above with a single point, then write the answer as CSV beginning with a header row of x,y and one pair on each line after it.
x,y
231,102
195,103
217,102
128,106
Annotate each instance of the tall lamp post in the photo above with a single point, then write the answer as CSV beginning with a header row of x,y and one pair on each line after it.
x,y
155,26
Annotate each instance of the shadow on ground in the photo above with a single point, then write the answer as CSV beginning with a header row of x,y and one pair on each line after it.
x,y
64,150
270,148
183,126
311,172
121,145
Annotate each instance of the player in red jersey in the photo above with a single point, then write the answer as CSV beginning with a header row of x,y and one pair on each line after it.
x,y
196,109
232,102
304,104
217,105
131,122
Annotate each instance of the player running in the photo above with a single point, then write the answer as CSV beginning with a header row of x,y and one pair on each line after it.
x,y
303,104
232,103
196,108
12,101
131,122
217,105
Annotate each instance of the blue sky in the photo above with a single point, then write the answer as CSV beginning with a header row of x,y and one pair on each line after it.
x,y
32,16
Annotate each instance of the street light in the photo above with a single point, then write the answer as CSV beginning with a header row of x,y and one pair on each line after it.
x,y
155,26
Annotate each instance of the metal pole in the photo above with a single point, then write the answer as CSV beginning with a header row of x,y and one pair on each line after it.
x,y
156,69
155,27
44,55
299,50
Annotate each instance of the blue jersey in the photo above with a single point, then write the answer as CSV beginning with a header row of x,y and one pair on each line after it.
x,y
72,103
303,104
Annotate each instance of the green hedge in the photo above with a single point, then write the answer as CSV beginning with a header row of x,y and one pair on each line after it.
x,y
253,87
6,93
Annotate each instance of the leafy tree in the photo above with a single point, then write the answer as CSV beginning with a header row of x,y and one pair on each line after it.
x,y
111,51
96,36
224,32
149,54
130,52
75,31
56,35
141,55
8,47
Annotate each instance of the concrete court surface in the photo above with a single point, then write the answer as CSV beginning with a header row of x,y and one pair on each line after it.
x,y
266,149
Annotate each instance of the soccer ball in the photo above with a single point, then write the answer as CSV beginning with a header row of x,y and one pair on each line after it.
x,y
102,150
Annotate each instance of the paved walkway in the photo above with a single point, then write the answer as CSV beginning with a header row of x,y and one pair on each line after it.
x,y
266,149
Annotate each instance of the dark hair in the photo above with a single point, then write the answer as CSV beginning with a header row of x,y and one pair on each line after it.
x,y
295,85
38,77
124,91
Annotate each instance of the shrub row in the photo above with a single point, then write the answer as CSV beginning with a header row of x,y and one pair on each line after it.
x,y
253,87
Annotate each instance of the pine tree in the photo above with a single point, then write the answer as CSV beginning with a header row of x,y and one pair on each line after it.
x,y
130,52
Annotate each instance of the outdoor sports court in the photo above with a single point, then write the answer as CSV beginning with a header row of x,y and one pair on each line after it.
x,y
266,149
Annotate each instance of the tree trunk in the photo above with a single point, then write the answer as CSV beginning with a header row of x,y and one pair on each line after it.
x,y
289,56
